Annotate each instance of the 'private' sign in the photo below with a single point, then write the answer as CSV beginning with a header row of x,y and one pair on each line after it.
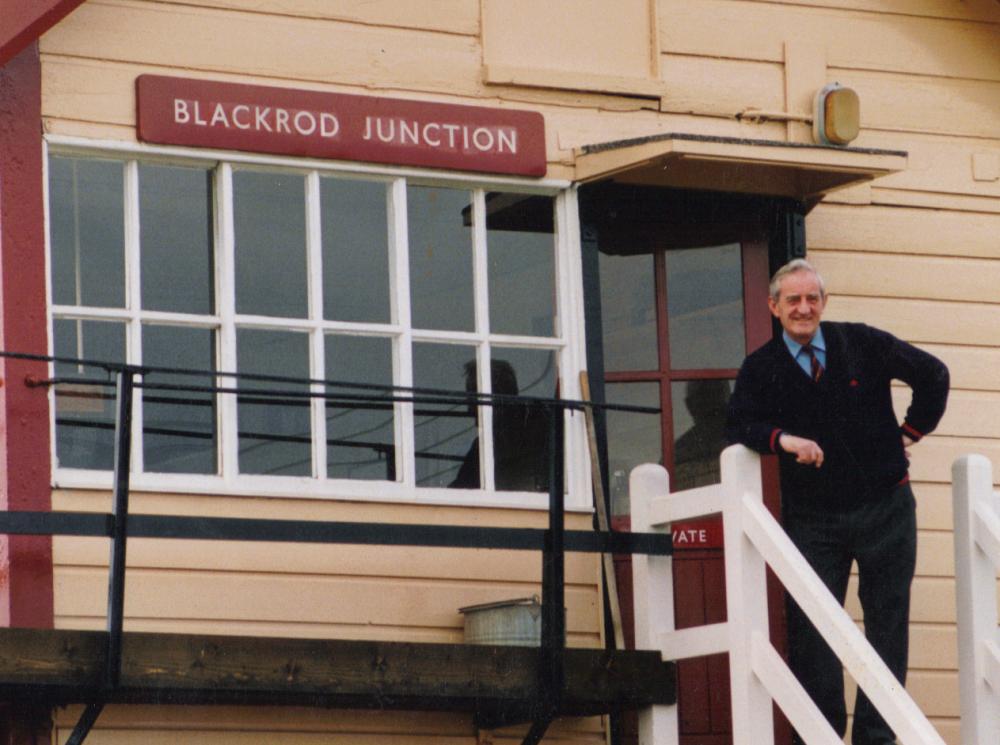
x,y
285,121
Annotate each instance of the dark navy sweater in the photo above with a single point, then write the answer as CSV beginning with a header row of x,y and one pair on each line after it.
x,y
848,413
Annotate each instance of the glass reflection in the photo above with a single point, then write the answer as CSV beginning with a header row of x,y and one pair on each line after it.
x,y
444,433
705,307
520,428
87,232
275,434
355,251
85,414
521,255
179,427
633,438
699,413
440,258
269,221
628,312
175,239
360,435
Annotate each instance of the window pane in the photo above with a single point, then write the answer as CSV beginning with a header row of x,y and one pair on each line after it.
x,y
447,435
269,216
699,409
440,258
520,430
175,239
87,232
355,251
360,436
628,312
633,438
85,414
275,433
521,250
179,427
705,307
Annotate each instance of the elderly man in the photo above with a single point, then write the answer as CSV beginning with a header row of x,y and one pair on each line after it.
x,y
819,396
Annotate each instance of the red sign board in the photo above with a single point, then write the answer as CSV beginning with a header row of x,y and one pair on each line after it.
x,y
285,121
698,534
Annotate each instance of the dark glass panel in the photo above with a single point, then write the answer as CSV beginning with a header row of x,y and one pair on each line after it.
x,y
85,414
360,435
446,435
520,246
269,217
440,258
355,251
633,437
628,312
275,433
87,232
699,412
520,430
179,427
175,239
705,307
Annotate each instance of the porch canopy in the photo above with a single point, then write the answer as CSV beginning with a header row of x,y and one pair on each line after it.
x,y
766,167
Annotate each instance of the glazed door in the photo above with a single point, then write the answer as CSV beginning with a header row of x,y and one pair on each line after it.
x,y
676,325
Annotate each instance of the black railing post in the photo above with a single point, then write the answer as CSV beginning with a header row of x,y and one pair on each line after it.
x,y
125,386
551,675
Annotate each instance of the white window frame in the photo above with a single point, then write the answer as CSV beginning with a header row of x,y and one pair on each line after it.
x,y
567,340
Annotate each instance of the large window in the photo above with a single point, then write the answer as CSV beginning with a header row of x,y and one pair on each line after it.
x,y
316,276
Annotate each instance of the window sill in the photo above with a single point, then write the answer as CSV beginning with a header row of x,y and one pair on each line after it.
x,y
291,487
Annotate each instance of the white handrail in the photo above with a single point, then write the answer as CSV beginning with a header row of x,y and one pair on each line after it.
x,y
753,540
977,561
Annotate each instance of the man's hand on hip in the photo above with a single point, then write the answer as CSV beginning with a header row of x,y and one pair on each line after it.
x,y
805,451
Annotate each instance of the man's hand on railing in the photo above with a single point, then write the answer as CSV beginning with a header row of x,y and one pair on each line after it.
x,y
805,451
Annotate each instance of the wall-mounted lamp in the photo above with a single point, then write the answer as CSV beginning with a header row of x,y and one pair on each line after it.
x,y
837,118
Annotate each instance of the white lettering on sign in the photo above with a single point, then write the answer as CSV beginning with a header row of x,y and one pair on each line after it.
x,y
257,118
391,130
690,535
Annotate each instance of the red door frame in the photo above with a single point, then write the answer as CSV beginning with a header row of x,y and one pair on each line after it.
x,y
699,586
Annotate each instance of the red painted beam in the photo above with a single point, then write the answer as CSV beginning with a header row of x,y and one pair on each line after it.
x,y
25,461
23,21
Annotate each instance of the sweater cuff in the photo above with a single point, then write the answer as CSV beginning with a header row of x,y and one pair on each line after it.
x,y
773,442
914,434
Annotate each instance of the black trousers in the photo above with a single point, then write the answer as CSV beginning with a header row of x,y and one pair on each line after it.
x,y
882,538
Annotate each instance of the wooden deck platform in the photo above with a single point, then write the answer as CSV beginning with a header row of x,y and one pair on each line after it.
x,y
46,666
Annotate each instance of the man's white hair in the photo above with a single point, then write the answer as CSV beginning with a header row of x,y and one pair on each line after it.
x,y
793,266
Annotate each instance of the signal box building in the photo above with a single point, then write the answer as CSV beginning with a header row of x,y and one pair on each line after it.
x,y
485,196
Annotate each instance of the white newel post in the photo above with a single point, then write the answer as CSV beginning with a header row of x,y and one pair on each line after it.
x,y
653,588
976,590
746,598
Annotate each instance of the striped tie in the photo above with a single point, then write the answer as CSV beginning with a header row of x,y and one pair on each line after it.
x,y
814,363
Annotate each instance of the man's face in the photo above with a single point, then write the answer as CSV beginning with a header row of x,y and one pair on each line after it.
x,y
799,306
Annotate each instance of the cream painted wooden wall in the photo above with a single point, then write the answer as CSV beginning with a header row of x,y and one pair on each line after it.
x,y
917,253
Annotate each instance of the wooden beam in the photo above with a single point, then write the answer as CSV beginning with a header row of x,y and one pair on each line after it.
x,y
23,22
58,666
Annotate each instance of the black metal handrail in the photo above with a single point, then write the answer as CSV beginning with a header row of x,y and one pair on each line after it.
x,y
119,525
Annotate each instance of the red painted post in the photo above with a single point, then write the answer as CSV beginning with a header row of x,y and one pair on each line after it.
x,y
25,561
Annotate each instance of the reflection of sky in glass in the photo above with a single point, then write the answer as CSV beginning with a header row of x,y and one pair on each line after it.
x,y
269,223
175,239
628,312
86,232
440,258
705,307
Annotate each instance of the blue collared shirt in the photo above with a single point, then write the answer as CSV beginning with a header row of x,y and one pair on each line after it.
x,y
795,349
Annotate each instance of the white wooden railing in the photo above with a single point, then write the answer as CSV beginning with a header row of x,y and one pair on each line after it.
x,y
753,540
977,561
